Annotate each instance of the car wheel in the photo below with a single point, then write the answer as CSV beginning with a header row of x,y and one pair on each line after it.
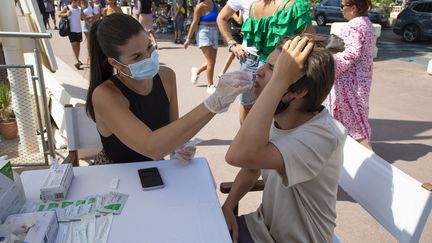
x,y
411,33
321,20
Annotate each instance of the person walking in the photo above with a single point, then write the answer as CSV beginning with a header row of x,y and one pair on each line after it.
x,y
110,8
50,11
41,5
73,12
90,14
205,14
179,14
349,99
146,10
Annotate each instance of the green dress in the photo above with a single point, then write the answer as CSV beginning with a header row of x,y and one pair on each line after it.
x,y
265,33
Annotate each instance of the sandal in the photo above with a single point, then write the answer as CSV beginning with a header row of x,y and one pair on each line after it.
x,y
78,66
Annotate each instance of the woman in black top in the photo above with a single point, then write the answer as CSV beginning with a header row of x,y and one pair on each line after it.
x,y
136,110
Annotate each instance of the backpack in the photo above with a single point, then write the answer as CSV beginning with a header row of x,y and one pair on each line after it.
x,y
64,26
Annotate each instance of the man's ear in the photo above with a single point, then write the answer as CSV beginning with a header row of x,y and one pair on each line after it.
x,y
295,95
301,93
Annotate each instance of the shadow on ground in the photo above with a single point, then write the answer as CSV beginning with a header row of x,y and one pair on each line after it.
x,y
385,132
397,130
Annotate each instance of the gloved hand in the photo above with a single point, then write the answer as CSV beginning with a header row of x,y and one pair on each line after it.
x,y
230,85
186,152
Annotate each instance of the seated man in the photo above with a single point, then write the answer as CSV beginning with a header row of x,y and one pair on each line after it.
x,y
292,141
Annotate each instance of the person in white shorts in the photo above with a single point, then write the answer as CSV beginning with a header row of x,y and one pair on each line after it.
x,y
292,141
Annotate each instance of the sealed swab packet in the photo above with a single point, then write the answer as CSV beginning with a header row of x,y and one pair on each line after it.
x,y
112,202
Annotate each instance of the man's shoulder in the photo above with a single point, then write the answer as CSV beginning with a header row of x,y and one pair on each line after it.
x,y
326,124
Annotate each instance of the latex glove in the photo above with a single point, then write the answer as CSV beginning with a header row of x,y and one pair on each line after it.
x,y
230,85
186,152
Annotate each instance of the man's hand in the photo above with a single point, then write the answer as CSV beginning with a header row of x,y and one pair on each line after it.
x,y
289,66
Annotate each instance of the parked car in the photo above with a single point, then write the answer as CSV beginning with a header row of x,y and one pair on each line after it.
x,y
329,11
415,21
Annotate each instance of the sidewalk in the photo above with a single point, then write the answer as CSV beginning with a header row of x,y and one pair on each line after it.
x,y
400,116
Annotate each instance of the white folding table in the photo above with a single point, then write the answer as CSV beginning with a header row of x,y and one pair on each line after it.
x,y
186,210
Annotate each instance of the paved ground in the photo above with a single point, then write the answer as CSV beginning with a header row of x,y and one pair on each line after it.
x,y
400,116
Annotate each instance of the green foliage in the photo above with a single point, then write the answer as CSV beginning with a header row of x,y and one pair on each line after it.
x,y
313,2
384,4
5,101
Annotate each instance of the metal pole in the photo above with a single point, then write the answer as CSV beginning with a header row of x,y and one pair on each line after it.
x,y
38,112
25,35
44,99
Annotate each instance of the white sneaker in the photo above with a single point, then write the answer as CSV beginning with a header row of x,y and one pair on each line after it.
x,y
211,89
194,75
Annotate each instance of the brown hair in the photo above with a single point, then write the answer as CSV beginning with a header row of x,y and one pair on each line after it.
x,y
363,6
106,36
319,77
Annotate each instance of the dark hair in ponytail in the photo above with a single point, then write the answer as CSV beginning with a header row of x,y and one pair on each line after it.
x,y
106,36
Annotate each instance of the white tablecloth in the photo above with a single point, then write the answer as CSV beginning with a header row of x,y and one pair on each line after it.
x,y
185,210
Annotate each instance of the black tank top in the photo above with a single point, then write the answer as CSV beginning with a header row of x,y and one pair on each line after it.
x,y
146,6
151,109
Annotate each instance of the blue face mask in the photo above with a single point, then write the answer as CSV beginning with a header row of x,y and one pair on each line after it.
x,y
145,69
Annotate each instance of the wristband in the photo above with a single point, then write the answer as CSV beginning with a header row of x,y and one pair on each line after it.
x,y
231,43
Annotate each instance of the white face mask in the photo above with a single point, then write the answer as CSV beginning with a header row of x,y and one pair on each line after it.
x,y
145,69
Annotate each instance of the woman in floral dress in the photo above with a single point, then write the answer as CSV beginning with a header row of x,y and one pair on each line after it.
x,y
349,101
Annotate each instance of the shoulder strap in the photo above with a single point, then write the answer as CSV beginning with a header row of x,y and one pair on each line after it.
x,y
285,3
253,9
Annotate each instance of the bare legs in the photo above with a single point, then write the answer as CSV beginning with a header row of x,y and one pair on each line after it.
x,y
228,63
210,54
86,35
146,20
76,51
202,68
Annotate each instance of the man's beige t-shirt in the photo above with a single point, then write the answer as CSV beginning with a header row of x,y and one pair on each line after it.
x,y
299,204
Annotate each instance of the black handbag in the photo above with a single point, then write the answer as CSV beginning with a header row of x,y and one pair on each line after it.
x,y
64,26
235,30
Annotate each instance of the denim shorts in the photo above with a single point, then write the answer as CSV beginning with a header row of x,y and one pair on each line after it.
x,y
208,36
250,64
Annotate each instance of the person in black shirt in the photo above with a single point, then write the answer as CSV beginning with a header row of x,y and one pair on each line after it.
x,y
136,110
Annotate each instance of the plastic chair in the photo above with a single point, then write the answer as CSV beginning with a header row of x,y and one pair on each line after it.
x,y
82,136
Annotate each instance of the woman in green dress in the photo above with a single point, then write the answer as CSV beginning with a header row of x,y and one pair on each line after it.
x,y
270,20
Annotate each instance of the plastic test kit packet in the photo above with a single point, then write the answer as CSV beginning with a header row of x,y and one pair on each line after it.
x,y
66,210
89,230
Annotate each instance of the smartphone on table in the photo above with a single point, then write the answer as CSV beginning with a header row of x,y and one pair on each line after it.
x,y
150,178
